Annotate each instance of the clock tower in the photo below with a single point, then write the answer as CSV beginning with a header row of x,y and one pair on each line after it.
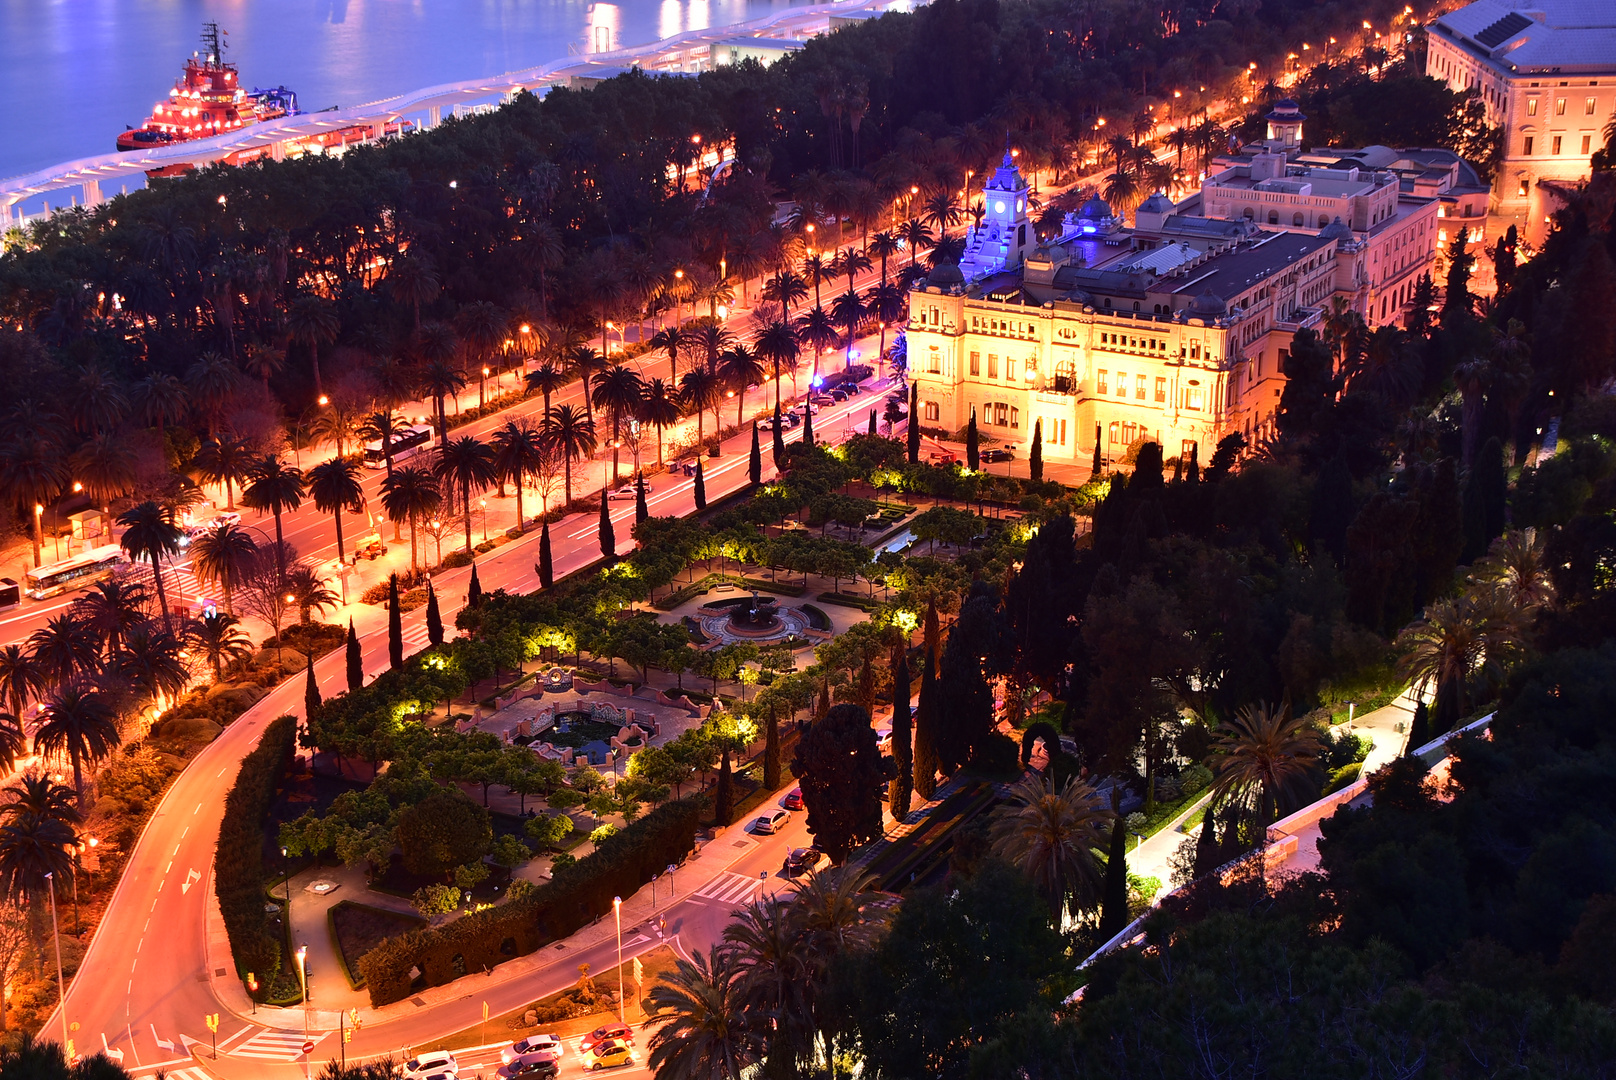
x,y
1005,234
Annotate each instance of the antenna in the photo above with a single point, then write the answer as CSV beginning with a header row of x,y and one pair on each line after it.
x,y
213,42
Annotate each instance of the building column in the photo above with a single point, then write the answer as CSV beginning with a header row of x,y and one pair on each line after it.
x,y
434,116
277,151
92,193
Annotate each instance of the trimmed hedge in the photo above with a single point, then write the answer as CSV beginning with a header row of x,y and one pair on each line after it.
x,y
573,898
238,864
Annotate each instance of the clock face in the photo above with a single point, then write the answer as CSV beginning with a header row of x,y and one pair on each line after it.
x,y
998,207
1018,206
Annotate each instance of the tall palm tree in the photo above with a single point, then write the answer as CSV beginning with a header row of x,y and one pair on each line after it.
x,y
110,610
277,487
834,908
335,424
149,531
1051,834
673,341
700,389
817,330
221,641
383,426
410,494
222,555
660,408
63,649
1121,189
851,263
438,381
466,463
334,486
32,849
1515,563
211,381
263,362
546,379
411,281
915,236
816,270
312,321
517,452
107,466
570,433
482,326
32,474
884,245
773,973
777,343
81,723
887,303
159,400
1265,755
224,460
848,311
619,391
702,1032
22,678
785,287
711,339
1453,644
152,663
740,368
587,362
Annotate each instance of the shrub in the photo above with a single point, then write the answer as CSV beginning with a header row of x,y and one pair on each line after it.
x,y
454,560
1195,779
485,547
239,860
442,831
1345,776
576,894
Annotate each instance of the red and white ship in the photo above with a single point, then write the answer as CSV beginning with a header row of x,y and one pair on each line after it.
x,y
207,100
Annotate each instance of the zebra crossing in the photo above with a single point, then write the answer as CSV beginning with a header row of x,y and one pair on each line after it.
x,y
272,1045
729,888
414,637
191,1073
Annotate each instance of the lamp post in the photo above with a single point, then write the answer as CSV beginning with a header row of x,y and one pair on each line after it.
x,y
303,977
617,910
252,991
286,881
61,983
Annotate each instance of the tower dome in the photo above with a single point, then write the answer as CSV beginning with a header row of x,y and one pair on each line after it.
x,y
1208,305
1285,121
1336,230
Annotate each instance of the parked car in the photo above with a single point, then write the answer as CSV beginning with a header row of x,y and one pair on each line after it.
x,y
942,457
606,1033
529,1068
838,394
793,799
999,453
430,1064
627,491
608,1055
801,860
771,822
883,741
547,1046
822,399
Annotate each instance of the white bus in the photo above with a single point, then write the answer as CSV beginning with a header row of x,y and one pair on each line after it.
x,y
404,444
79,572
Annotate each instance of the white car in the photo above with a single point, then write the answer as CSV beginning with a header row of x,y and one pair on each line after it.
x,y
533,1048
191,532
626,492
430,1065
772,822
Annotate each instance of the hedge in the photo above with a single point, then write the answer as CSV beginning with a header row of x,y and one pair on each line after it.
x,y
573,898
238,864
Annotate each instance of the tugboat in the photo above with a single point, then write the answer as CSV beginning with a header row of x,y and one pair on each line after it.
x,y
208,100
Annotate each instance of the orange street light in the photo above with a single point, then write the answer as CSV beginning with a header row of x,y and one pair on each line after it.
x,y
324,400
77,487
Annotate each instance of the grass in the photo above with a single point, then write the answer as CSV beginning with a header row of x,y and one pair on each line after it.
x,y
358,928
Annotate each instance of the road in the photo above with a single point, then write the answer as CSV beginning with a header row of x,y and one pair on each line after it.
x,y
144,985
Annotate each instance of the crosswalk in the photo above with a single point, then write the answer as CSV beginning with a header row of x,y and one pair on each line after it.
x,y
414,638
729,888
271,1045
193,1072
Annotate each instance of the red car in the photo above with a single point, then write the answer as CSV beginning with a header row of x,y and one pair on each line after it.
x,y
793,799
606,1033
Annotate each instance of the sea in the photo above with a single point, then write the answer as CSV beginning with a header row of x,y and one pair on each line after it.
x,y
75,73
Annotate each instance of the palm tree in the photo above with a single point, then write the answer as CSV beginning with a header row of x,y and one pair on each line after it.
x,y
517,452
384,427
277,487
335,423
884,245
106,465
773,974
308,592
711,339
785,287
887,303
816,329
36,794
848,311
942,212
152,663
110,610
83,724
263,362
22,677
63,649
411,281
660,408
740,368
33,849
334,485
816,270
1265,755
149,531
32,474
851,263
224,460
570,433
13,741
673,341
1121,190
700,389
1051,834
702,1030
834,909
211,381
587,362
482,327
222,555
221,641
409,495
466,463
313,322
1453,644
159,400
1516,564
619,391
546,379
777,343
438,381
915,236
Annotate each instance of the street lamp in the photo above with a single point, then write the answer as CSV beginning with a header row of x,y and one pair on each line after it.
x,y
286,880
61,983
484,504
617,911
303,974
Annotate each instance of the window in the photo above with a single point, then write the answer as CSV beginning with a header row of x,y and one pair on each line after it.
x,y
1112,433
1122,384
933,412
1193,398
976,363
1273,217
1531,107
1010,368
1588,106
1296,219
1324,219
1139,387
1186,449
1587,141
1100,383
1528,148
1556,145
1015,417
1559,106
993,365
1062,439
1161,389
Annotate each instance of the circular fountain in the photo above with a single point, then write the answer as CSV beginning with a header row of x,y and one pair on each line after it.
x,y
757,619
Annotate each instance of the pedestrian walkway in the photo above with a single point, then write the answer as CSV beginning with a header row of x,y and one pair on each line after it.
x,y
730,888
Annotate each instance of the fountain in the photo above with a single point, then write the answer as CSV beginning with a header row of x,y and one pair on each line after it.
x,y
757,619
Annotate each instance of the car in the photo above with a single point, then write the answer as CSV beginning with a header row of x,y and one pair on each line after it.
x,y
793,799
529,1068
534,1046
822,399
433,1063
606,1033
999,453
801,860
883,741
771,822
838,395
850,388
608,1055
942,457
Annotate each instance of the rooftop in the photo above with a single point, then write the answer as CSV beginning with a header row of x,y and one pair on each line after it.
x,y
1532,35
1232,273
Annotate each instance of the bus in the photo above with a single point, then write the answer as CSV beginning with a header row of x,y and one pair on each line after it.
x,y
404,443
79,572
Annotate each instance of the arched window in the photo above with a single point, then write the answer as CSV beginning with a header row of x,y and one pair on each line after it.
x,y
1324,220
1136,305
1296,219
1273,217
1248,214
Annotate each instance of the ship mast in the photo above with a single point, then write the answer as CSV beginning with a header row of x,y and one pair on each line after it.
x,y
213,43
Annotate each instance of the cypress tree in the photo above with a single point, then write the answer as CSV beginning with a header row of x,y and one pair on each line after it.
x,y
356,660
608,538
771,748
973,448
641,511
311,694
723,796
474,589
823,707
1099,462
779,441
1114,893
754,463
434,620
902,750
395,625
872,422
807,427
1492,481
1192,475
1419,729
913,432
701,489
925,740
1035,458
1206,846
546,567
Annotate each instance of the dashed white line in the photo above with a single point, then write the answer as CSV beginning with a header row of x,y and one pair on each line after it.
x,y
182,835
199,805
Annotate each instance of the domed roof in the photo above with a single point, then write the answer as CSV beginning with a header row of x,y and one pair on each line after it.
x,y
1336,230
1158,203
1096,209
1287,111
945,273
1208,305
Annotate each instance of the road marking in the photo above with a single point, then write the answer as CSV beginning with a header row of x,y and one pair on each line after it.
x,y
729,888
170,865
272,1045
192,876
184,834
192,1073
199,805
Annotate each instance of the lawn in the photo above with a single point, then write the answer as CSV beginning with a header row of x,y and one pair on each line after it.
x,y
358,928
